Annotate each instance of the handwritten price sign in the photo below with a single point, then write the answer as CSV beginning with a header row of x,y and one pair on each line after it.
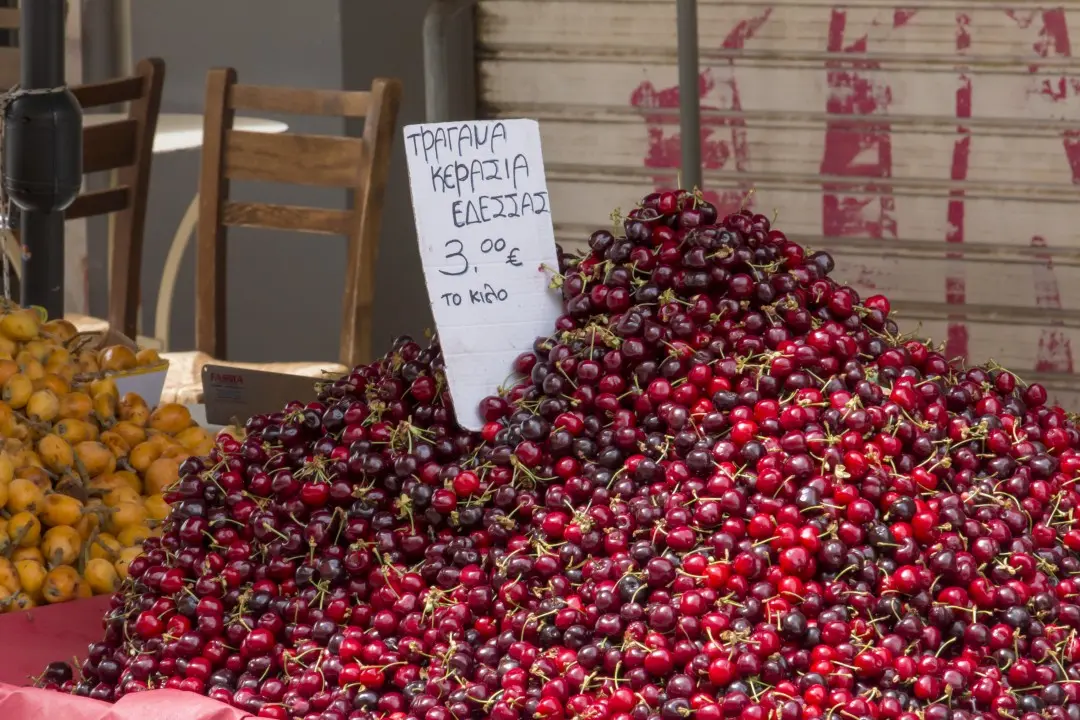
x,y
484,225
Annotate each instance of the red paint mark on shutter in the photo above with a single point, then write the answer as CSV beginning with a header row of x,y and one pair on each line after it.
x,y
1054,352
956,341
857,148
724,143
1054,42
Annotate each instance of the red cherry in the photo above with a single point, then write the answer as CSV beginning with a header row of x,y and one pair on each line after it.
x,y
148,625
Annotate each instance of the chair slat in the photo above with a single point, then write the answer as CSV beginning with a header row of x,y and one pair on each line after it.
x,y
99,202
287,217
109,146
296,159
112,92
297,101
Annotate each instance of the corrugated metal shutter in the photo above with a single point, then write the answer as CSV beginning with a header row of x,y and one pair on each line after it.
x,y
934,148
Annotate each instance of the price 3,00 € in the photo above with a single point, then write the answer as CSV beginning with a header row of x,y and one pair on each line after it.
x,y
485,294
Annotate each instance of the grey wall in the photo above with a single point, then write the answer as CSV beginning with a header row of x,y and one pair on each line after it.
x,y
284,289
384,37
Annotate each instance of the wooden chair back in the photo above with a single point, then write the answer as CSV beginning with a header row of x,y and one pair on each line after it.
x,y
358,164
125,146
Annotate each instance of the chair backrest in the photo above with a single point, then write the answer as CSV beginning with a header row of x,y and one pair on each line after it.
x,y
358,164
125,146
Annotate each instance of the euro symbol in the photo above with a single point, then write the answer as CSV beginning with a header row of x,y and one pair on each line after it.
x,y
511,259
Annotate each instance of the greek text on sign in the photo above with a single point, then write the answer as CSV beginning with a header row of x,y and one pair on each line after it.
x,y
487,246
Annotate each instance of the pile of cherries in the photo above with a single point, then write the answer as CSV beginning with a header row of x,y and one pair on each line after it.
x,y
725,487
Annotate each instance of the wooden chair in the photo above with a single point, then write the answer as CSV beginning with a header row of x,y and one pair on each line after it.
x,y
358,164
126,147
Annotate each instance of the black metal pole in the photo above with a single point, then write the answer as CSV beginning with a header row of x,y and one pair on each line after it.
x,y
450,92
41,42
689,92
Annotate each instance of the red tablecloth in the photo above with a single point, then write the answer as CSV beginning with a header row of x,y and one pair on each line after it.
x,y
30,704
33,638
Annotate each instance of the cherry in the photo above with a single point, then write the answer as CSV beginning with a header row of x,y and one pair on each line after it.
x,y
258,642
466,484
148,625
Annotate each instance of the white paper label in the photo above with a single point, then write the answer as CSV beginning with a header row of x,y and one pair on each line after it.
x,y
487,245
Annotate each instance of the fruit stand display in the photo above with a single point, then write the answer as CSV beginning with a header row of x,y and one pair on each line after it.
x,y
724,486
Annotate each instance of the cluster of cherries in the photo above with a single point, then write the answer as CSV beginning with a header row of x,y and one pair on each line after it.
x,y
724,488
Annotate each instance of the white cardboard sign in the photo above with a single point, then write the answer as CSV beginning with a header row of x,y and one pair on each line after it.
x,y
487,245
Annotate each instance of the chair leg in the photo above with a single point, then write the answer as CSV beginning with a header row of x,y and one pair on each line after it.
x,y
171,270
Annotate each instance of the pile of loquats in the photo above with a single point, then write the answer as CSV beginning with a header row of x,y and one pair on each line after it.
x,y
82,468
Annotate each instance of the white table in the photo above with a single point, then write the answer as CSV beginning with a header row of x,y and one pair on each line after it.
x,y
175,132
184,131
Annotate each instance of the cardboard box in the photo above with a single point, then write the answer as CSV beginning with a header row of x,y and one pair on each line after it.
x,y
147,382
233,394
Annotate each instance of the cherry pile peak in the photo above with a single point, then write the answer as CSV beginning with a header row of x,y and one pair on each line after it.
x,y
725,487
